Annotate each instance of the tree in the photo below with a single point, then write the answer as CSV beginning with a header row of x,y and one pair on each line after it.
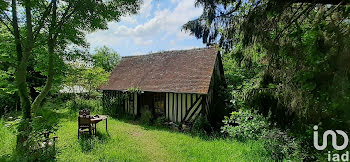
x,y
61,22
299,48
105,58
53,25
8,100
79,74
93,78
234,21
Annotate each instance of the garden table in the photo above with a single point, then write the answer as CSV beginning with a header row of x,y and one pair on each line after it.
x,y
98,118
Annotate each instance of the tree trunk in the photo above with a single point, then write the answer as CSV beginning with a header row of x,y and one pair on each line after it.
x,y
51,50
23,90
24,127
49,80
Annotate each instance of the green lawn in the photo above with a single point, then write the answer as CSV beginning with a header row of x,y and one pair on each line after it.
x,y
126,141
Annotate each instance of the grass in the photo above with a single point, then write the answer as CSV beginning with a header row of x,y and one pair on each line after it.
x,y
127,141
7,141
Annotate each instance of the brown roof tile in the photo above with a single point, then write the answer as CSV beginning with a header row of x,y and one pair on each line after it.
x,y
182,71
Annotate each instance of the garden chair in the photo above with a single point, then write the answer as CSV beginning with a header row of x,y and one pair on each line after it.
x,y
84,112
85,124
47,142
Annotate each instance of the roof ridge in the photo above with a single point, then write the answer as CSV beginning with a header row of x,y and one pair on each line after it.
x,y
169,51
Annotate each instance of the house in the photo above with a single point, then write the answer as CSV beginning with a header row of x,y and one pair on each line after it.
x,y
73,89
178,85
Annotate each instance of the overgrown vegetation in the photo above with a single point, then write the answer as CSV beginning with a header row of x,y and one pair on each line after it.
x,y
286,65
129,140
287,61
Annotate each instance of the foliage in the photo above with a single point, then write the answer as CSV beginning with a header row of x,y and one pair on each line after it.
x,y
146,116
50,26
93,78
284,59
8,96
94,105
105,58
281,146
244,125
138,143
36,152
133,90
160,121
7,140
201,126
44,120
113,101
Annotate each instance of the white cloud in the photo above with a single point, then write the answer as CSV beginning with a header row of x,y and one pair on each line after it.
x,y
103,38
129,19
183,35
163,21
145,11
146,7
141,42
160,25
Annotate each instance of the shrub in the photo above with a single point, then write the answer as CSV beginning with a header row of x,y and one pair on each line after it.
x,y
281,146
160,121
244,125
8,103
37,150
93,105
32,146
113,106
45,120
146,116
201,125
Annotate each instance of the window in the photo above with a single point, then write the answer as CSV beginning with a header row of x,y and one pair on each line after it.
x,y
159,101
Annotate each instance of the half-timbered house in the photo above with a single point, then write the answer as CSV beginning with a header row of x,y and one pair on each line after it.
x,y
179,85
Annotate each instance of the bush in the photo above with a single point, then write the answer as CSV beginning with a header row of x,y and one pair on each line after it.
x,y
8,103
160,121
244,125
201,125
93,105
113,106
146,116
32,146
281,146
45,119
37,150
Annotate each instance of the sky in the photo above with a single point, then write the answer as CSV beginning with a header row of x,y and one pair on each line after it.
x,y
156,27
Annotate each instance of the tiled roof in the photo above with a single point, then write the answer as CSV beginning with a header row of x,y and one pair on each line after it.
x,y
181,71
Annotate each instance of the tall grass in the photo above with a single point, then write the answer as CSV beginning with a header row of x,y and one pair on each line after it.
x,y
7,141
127,141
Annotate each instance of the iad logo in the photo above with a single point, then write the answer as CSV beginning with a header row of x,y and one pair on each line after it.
x,y
334,139
335,157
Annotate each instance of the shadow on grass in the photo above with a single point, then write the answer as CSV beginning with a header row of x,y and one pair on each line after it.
x,y
6,157
89,142
42,154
